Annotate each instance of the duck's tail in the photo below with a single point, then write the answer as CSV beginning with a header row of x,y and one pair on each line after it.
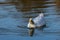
x,y
41,14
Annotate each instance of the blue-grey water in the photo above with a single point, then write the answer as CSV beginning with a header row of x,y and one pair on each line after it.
x,y
10,18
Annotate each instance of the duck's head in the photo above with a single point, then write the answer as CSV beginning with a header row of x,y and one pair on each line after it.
x,y
31,21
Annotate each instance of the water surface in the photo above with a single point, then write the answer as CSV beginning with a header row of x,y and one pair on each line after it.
x,y
10,18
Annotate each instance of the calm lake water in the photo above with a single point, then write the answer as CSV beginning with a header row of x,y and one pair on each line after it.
x,y
10,18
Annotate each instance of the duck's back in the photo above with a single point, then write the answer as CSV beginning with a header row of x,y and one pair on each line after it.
x,y
39,20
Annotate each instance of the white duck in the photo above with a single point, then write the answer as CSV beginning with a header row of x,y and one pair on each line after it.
x,y
39,21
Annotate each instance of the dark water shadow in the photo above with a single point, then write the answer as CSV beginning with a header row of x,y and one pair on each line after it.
x,y
20,32
3,30
41,28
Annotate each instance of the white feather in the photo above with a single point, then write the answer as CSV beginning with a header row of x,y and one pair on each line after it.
x,y
38,21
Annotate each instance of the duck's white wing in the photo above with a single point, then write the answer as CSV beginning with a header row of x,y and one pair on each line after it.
x,y
39,21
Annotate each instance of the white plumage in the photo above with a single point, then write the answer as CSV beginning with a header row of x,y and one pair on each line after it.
x,y
37,22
